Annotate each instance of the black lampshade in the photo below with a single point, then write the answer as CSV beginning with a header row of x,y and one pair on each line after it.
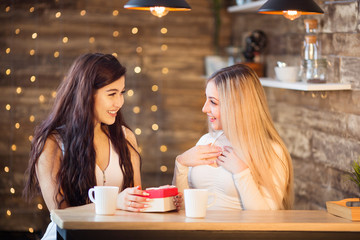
x,y
171,5
306,7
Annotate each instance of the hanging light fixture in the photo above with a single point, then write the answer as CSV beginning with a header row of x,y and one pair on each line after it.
x,y
158,8
291,9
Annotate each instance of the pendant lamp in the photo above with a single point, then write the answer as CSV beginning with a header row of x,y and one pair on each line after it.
x,y
291,9
158,8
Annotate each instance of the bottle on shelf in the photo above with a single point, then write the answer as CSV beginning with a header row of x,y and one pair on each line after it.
x,y
310,49
313,67
311,25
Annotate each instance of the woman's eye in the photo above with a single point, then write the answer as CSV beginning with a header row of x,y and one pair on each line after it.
x,y
123,91
213,102
112,94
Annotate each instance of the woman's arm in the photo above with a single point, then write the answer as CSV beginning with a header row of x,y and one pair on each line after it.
x,y
47,168
254,198
133,199
204,153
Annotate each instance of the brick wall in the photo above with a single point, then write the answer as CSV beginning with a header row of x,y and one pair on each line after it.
x,y
171,60
320,129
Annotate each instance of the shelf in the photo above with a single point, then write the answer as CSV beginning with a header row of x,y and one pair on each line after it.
x,y
247,7
269,82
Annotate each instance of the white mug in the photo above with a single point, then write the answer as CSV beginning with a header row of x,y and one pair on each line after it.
x,y
105,199
196,202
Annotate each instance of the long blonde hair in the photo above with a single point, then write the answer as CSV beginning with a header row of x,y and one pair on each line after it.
x,y
247,123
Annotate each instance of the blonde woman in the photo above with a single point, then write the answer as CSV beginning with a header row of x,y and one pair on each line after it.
x,y
242,159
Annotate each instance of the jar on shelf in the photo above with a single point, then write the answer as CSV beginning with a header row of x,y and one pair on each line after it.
x,y
314,70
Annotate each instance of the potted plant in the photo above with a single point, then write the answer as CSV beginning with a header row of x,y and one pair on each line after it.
x,y
348,208
354,174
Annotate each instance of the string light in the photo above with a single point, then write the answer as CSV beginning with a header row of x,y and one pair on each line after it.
x,y
58,14
8,71
165,70
41,98
82,13
91,40
34,35
115,13
8,212
164,47
30,138
18,90
32,118
163,148
137,69
8,107
163,168
32,79
56,54
163,30
40,206
31,9
32,52
7,9
17,31
136,109
155,88
137,131
130,93
115,33
17,125
6,169
53,94
139,49
154,108
134,30
31,230
155,127
65,39
114,54
7,50
12,190
13,147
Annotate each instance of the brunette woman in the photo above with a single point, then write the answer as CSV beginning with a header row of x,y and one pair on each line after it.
x,y
84,142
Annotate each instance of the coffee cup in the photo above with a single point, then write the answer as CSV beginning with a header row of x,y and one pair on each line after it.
x,y
105,199
196,202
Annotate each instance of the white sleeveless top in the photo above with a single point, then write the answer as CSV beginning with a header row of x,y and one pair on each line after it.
x,y
112,175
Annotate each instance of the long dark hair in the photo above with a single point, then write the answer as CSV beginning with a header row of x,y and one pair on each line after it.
x,y
71,121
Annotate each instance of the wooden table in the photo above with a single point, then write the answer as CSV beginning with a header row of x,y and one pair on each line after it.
x,y
83,223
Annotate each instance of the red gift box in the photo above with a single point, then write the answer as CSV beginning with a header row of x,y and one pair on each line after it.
x,y
161,199
162,192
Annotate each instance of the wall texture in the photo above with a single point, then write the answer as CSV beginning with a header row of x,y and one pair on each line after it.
x,y
165,61
321,129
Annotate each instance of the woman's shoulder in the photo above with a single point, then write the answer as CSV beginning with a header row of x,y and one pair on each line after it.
x,y
129,135
52,150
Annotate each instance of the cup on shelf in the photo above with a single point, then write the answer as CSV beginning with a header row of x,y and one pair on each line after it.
x,y
287,74
105,199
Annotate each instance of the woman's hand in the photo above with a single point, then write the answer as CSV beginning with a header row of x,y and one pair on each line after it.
x,y
133,199
199,155
231,161
178,200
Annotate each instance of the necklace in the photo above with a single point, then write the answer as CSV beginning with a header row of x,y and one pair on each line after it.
x,y
104,177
